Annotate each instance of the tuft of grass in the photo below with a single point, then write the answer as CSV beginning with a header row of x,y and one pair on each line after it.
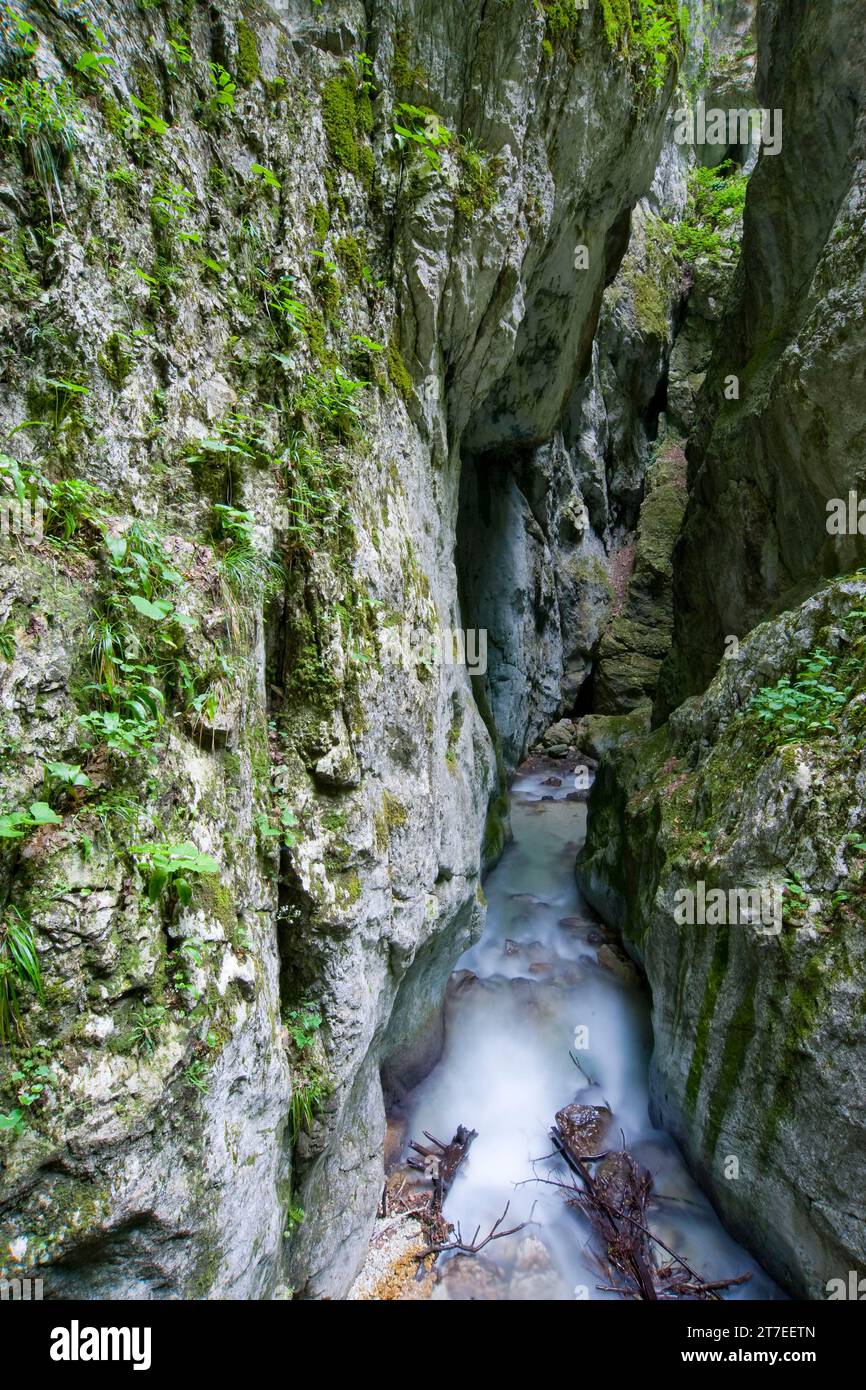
x,y
19,967
40,117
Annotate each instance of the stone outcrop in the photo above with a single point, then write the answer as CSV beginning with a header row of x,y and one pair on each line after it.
x,y
763,467
227,230
757,1017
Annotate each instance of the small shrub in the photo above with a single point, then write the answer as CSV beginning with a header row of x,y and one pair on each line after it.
x,y
169,867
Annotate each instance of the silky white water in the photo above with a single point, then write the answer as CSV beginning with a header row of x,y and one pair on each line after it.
x,y
506,1070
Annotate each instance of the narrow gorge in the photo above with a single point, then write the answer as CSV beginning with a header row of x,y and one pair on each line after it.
x,y
432,650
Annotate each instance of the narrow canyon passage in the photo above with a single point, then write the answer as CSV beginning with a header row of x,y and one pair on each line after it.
x,y
518,1003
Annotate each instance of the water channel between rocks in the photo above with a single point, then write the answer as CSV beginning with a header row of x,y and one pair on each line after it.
x,y
513,1006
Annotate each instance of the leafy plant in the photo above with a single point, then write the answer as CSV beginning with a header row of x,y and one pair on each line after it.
x,y
189,955
310,1082
331,402
796,709
15,824
196,1075
224,96
303,1024
421,127
40,117
284,830
7,640
31,1079
295,1216
310,1086
64,777
19,966
283,307
267,176
146,1024
714,211
148,120
170,867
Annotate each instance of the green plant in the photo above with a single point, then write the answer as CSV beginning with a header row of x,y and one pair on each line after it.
x,y
247,572
331,402
283,307
149,122
224,96
310,1086
169,867
189,955
303,1024
284,830
804,707
63,777
196,1075
31,1079
147,1021
420,126
714,212
347,116
267,176
63,394
295,1216
310,1082
40,117
317,491
14,825
476,190
7,640
19,966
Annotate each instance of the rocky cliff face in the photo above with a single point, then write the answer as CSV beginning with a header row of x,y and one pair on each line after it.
x,y
764,466
270,276
757,784
757,1015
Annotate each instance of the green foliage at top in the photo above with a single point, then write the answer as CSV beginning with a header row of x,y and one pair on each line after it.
x,y
710,226
651,33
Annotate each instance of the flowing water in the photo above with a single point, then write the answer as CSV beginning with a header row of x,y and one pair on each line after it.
x,y
514,1004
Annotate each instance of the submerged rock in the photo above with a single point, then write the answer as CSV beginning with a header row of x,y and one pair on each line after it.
x,y
584,1127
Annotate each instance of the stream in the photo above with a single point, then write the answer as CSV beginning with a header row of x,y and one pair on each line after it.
x,y
514,1004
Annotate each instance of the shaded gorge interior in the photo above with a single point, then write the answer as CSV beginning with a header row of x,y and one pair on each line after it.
x,y
329,331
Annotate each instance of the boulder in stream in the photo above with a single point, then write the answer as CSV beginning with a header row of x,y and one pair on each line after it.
x,y
583,1127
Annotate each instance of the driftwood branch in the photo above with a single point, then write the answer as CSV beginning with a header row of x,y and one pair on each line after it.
x,y
456,1244
442,1161
613,1190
